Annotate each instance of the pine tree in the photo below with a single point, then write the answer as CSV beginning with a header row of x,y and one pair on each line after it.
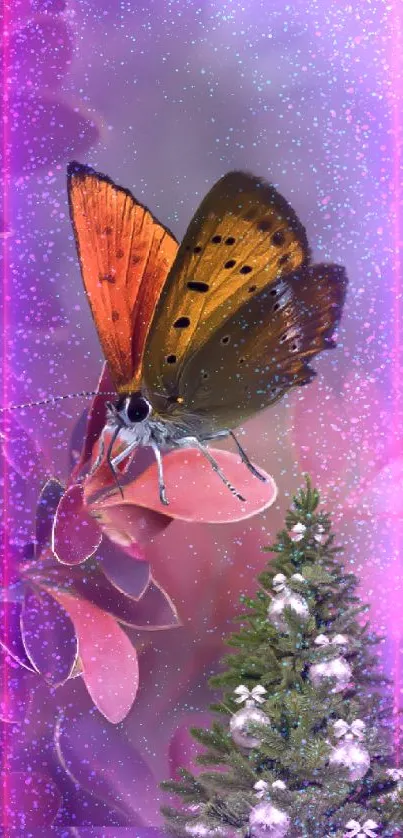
x,y
324,735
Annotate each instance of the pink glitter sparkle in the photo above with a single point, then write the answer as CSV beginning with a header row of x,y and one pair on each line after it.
x,y
396,99
5,278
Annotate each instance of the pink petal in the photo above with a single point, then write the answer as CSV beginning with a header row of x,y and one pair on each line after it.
x,y
41,567
128,525
76,535
195,492
49,637
48,501
109,661
155,610
96,417
129,573
30,800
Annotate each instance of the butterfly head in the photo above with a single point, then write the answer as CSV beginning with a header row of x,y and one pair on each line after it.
x,y
132,409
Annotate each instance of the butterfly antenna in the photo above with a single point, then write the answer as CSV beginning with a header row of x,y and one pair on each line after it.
x,y
83,395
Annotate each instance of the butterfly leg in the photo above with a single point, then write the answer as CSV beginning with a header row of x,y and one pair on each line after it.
x,y
123,454
101,452
193,442
215,435
243,455
245,459
112,463
161,481
115,461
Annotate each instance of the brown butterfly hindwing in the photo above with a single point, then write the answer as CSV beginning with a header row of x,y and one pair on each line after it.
x,y
262,350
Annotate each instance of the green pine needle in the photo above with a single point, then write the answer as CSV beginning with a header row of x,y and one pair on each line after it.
x,y
295,748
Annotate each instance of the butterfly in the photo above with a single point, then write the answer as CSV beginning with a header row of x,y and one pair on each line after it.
x,y
202,335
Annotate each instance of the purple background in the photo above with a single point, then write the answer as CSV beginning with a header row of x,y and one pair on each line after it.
x,y
165,98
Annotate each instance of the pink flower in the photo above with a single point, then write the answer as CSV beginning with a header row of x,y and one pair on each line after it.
x,y
73,618
67,621
85,619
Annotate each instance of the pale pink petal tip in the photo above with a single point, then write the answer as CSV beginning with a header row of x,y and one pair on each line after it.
x,y
76,535
108,658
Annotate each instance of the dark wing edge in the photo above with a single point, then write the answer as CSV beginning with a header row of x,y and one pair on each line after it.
x,y
82,170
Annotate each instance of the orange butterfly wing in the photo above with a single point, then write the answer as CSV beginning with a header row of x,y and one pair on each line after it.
x,y
125,256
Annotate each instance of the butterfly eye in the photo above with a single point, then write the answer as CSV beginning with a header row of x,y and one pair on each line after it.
x,y
137,408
